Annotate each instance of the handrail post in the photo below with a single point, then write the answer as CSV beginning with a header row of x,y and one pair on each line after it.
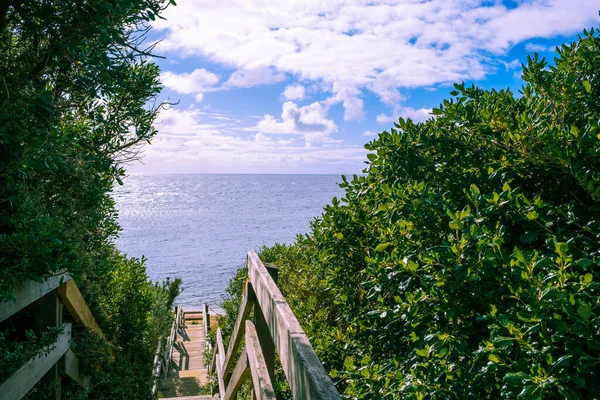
x,y
262,328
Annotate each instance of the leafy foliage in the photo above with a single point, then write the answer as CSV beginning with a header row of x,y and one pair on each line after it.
x,y
77,100
464,263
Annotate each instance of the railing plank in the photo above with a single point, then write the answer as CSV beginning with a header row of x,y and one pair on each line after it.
x,y
263,387
220,363
71,297
239,374
156,367
304,371
72,369
28,292
238,330
19,383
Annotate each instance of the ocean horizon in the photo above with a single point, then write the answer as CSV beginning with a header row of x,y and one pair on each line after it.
x,y
199,227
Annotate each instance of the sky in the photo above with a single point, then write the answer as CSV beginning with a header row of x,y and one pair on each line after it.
x,y
299,86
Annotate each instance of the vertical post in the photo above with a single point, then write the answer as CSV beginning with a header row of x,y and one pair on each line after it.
x,y
262,329
206,319
48,313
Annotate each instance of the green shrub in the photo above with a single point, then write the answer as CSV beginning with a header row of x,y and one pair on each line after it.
x,y
464,263
77,100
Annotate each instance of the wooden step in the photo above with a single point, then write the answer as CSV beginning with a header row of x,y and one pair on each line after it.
x,y
193,315
200,397
183,386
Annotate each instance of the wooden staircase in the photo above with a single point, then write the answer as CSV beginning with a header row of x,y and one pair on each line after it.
x,y
187,372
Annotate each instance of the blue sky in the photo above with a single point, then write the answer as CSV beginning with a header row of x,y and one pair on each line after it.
x,y
299,86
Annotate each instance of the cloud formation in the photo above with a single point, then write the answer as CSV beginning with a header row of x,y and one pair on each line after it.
x,y
193,140
380,46
294,92
254,77
195,82
417,115
310,121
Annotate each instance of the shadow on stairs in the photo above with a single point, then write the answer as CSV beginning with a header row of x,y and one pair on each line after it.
x,y
187,378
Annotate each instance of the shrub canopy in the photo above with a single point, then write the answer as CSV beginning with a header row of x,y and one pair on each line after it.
x,y
77,99
465,262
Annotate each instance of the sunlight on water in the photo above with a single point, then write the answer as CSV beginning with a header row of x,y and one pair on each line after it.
x,y
199,227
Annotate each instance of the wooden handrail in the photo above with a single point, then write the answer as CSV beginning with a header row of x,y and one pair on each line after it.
x,y
30,291
21,382
305,374
263,387
52,292
172,337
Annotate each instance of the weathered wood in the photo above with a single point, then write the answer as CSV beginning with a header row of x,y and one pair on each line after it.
x,y
220,363
263,386
305,373
177,321
29,292
71,369
239,374
71,297
238,330
206,318
156,367
262,329
213,362
20,382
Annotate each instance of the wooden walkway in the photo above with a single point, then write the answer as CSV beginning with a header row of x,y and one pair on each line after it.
x,y
187,377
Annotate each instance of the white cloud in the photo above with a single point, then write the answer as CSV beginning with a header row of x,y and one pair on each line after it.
x,y
310,121
370,133
294,92
199,97
254,77
376,45
514,64
192,140
537,48
417,115
195,82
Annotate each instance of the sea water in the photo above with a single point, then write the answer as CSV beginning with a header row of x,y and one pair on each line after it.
x,y
199,227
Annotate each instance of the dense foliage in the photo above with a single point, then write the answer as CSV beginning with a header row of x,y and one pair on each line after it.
x,y
464,263
77,100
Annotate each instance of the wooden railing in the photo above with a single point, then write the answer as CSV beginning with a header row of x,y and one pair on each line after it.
x,y
162,359
275,328
50,297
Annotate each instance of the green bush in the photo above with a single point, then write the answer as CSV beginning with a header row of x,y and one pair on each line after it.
x,y
464,263
77,100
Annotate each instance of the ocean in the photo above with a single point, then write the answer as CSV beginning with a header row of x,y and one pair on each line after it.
x,y
199,227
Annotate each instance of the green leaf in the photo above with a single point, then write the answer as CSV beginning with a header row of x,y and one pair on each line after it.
x,y
584,311
381,247
372,157
349,363
493,358
588,86
423,352
412,266
563,362
516,378
474,190
339,235
517,252
35,277
588,278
